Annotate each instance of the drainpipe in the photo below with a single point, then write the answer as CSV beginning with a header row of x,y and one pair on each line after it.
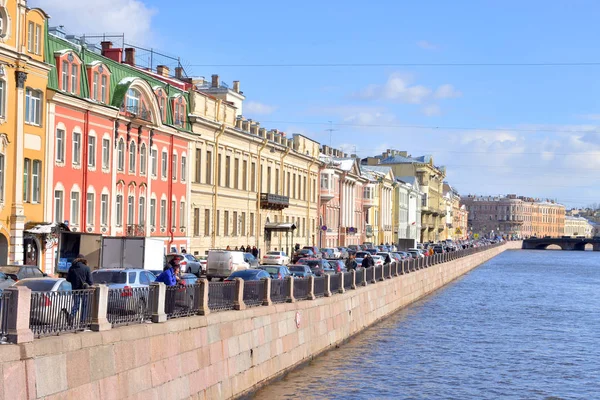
x,y
84,169
342,199
170,192
258,191
215,185
280,192
380,219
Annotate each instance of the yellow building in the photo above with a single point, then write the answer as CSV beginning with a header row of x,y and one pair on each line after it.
x,y
23,81
378,197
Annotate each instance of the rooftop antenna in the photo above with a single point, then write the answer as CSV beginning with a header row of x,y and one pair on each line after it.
x,y
330,131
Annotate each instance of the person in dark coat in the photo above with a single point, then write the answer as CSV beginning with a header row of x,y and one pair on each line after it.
x,y
255,252
368,261
80,277
351,263
243,249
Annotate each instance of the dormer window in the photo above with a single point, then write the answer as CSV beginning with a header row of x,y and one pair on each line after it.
x,y
162,103
98,80
179,111
69,73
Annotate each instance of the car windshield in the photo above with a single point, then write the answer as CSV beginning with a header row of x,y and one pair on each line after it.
x,y
297,269
310,263
109,277
272,270
37,285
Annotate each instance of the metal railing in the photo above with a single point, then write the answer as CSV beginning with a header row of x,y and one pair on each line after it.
x,y
301,288
386,270
221,295
359,276
378,272
347,280
370,272
181,300
128,306
61,311
254,293
335,283
279,291
319,288
4,301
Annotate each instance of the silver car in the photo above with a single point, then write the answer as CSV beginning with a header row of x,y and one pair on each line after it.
x,y
128,288
54,305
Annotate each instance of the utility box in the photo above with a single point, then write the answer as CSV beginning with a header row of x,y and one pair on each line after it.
x,y
133,252
70,244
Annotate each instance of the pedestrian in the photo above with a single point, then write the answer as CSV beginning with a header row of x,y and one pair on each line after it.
x,y
183,251
242,249
368,261
388,259
80,277
228,248
236,248
351,263
170,277
297,247
254,251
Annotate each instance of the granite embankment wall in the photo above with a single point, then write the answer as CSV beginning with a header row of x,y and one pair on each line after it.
x,y
221,355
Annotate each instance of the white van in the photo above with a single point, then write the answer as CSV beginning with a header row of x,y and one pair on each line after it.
x,y
221,263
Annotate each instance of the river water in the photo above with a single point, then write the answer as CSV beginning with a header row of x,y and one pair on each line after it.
x,y
525,325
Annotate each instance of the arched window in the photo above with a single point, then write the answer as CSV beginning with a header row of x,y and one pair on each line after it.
x,y
133,101
121,155
162,103
143,159
179,111
132,157
68,66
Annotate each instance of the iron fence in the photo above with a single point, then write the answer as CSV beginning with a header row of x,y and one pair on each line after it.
x,y
129,305
182,300
221,295
359,277
60,311
319,288
254,293
301,288
335,282
370,274
348,280
4,302
279,291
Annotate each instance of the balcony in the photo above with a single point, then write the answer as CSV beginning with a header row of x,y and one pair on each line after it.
x,y
137,112
369,231
136,230
270,201
327,194
369,202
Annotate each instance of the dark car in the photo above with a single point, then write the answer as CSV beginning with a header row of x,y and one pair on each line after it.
x,y
18,272
187,263
302,253
249,275
438,249
314,249
371,250
300,271
276,271
318,266
344,253
5,281
338,265
251,260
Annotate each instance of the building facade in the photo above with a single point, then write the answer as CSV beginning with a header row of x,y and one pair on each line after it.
x,y
578,226
407,209
378,197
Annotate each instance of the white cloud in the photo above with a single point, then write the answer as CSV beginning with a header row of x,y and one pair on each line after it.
x,y
132,17
447,91
254,107
432,110
426,45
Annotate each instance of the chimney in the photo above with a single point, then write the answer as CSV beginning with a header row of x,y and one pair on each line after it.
x,y
105,45
179,72
130,56
115,54
162,70
236,86
214,81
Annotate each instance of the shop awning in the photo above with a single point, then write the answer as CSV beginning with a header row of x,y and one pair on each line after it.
x,y
279,227
46,228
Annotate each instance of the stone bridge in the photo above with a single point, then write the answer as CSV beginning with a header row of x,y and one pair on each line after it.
x,y
563,243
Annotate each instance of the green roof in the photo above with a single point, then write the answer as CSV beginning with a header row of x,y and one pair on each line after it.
x,y
120,78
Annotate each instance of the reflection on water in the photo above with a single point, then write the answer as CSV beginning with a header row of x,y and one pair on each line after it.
x,y
522,326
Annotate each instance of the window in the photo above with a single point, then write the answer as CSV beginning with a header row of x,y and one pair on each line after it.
x,y
60,145
36,181
58,205
236,173
196,222
207,222
289,180
133,101
162,102
2,99
209,167
174,167
268,179
2,177
245,175
37,39
142,211
121,155
95,86
243,224
276,180
26,182
253,177
153,161
163,171
105,153
30,29
325,181
173,211
218,223
92,151
294,187
251,224
235,223
33,107
76,148
119,207
219,170
104,209
130,210
132,157
74,208
227,171
153,212
143,159
304,193
198,166
103,90
183,168
182,214
163,213
90,202
74,73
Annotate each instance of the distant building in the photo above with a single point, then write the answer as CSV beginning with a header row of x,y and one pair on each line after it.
x,y
578,226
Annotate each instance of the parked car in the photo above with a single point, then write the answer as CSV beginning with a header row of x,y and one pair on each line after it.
x,y
336,254
187,263
251,260
39,312
327,254
127,280
222,263
338,265
416,253
249,275
203,261
188,279
302,253
379,260
318,266
276,271
300,271
5,281
344,253
275,257
314,249
385,256
155,272
18,272
438,249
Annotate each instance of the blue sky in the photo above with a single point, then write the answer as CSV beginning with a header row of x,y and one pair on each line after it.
x,y
525,130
